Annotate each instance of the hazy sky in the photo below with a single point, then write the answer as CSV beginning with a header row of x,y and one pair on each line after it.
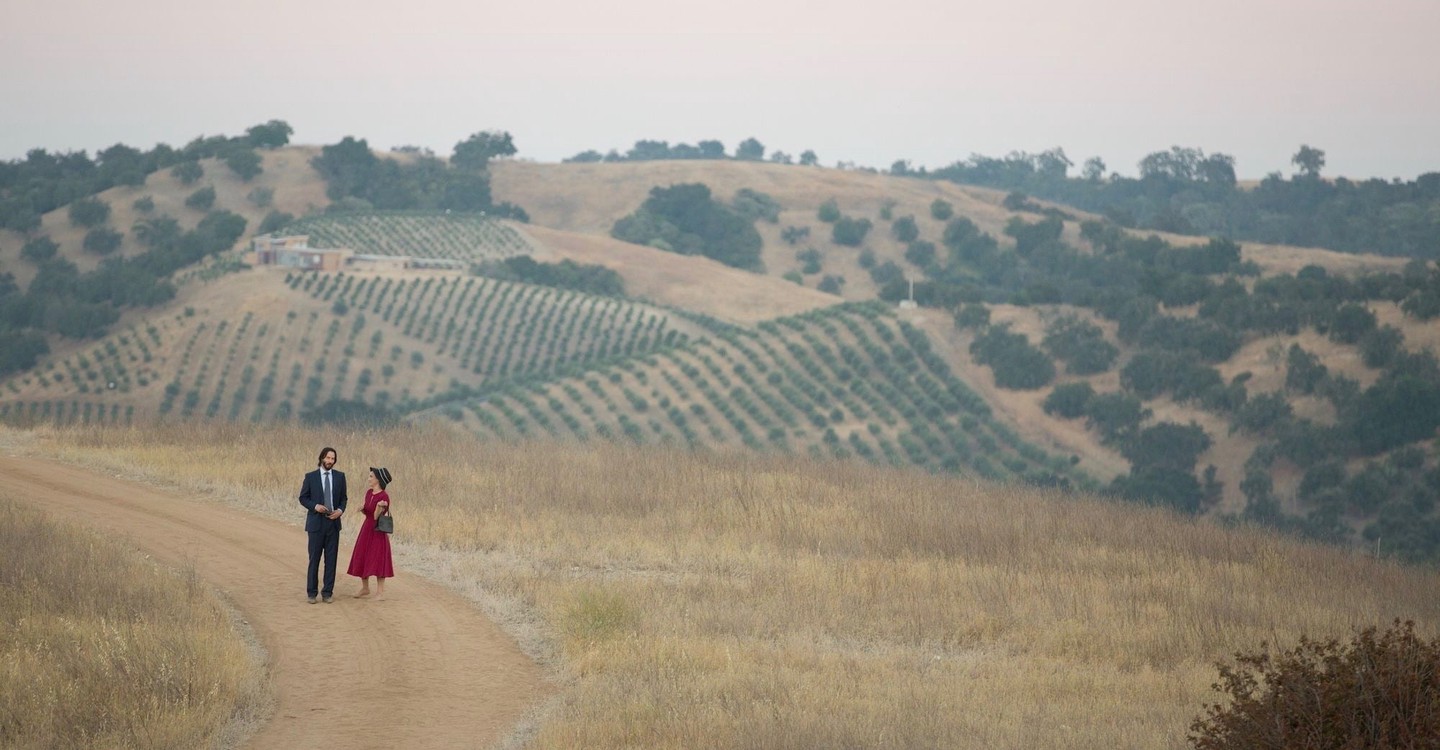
x,y
869,83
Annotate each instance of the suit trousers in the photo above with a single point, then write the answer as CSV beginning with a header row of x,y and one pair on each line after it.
x,y
323,543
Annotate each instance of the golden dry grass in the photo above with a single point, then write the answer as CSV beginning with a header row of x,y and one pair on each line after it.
x,y
686,282
709,601
101,648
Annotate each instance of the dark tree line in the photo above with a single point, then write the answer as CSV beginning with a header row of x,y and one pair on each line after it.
x,y
357,179
685,219
1186,191
750,149
44,181
567,274
63,301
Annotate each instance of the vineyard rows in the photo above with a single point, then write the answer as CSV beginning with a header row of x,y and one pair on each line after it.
x,y
464,237
515,360
389,341
842,382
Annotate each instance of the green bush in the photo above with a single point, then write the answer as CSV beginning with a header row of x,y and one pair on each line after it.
x,y
201,199
1017,365
89,213
1069,400
1081,344
848,231
756,205
972,315
905,229
102,241
1381,690
188,172
40,249
793,235
275,220
685,219
245,163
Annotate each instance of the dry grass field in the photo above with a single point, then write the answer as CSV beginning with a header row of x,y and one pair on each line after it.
x,y
691,600
103,648
685,282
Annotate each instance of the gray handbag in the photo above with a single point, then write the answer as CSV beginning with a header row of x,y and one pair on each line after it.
x,y
385,524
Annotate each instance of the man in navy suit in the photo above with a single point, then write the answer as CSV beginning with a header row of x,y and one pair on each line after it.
x,y
322,495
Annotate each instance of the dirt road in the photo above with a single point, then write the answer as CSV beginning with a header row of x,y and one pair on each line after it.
x,y
421,669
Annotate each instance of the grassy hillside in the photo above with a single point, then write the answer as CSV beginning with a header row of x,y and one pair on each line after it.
x,y
840,382
727,600
268,344
508,360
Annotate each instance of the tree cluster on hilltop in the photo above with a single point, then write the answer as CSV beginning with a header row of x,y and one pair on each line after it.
x,y
64,301
686,220
61,300
1186,191
750,149
358,180
44,181
567,274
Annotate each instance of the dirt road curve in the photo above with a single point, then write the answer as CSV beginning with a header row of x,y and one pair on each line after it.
x,y
422,669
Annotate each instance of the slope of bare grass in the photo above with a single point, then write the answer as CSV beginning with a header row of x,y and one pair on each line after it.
x,y
693,600
683,281
102,648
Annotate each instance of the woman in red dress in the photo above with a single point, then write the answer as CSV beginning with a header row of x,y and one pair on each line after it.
x,y
371,555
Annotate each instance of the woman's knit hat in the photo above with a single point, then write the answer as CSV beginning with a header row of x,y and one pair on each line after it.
x,y
382,474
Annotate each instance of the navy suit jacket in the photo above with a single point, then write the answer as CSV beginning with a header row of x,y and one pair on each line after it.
x,y
313,492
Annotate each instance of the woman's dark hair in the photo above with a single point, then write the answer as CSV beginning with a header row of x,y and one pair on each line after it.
x,y
321,460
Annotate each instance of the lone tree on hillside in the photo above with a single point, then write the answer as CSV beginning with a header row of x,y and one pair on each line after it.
x,y
750,149
89,213
476,151
244,162
272,134
188,172
1309,161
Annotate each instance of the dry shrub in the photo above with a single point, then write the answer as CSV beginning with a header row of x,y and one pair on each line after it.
x,y
1378,691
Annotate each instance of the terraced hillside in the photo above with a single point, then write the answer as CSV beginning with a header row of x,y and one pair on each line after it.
x,y
846,381
463,237
504,360
265,345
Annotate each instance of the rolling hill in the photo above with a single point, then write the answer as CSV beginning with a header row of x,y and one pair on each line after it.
x,y
698,353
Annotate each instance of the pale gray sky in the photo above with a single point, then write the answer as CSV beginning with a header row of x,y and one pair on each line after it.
x,y
865,82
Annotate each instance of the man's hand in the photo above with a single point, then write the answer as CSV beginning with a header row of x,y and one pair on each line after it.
x,y
319,507
335,515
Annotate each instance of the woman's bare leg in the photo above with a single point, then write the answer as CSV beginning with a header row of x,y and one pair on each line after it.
x,y
364,588
379,587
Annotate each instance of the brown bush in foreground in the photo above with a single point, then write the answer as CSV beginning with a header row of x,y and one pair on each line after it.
x,y
1378,691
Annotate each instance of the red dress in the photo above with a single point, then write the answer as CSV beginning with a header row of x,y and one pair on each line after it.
x,y
371,555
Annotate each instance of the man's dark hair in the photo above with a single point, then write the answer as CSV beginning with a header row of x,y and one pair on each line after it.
x,y
321,460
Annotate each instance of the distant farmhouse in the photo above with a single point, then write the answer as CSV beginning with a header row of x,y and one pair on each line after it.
x,y
294,251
